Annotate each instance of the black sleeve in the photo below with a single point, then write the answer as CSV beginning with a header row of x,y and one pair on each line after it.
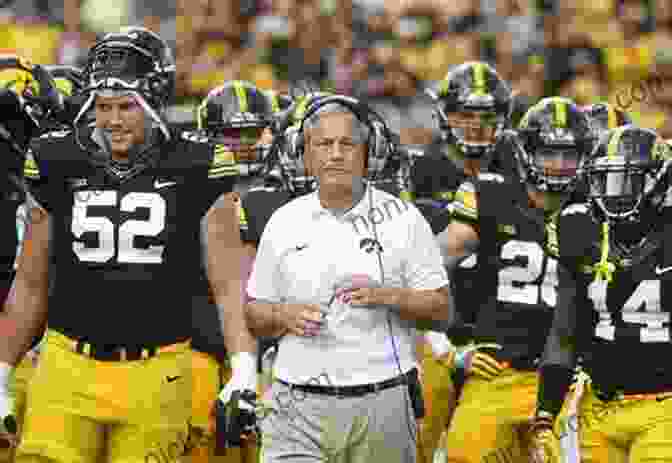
x,y
559,358
259,205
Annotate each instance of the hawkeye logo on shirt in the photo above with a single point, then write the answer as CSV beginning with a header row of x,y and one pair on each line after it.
x,y
370,245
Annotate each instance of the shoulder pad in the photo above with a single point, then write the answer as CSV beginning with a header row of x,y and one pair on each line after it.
x,y
579,208
490,177
195,137
55,134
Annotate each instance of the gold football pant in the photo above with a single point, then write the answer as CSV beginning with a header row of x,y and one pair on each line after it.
x,y
17,390
207,384
635,429
80,410
492,419
439,396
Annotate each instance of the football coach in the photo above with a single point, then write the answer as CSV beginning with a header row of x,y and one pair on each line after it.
x,y
344,276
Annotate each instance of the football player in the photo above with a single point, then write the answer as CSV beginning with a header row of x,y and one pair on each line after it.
x,y
67,84
614,303
510,222
111,262
28,97
236,115
473,108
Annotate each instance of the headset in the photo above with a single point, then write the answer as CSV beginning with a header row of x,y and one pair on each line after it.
x,y
379,143
380,147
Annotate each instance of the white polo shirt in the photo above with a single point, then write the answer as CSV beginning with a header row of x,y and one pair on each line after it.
x,y
307,252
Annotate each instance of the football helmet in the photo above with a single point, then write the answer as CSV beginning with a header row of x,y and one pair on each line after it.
x,y
290,157
134,59
70,83
605,116
236,115
28,98
628,171
555,139
69,79
473,105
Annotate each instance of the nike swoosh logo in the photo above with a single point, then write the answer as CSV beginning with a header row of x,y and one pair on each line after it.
x,y
170,379
158,184
660,271
301,247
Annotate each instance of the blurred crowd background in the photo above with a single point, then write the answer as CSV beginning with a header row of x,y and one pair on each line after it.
x,y
384,51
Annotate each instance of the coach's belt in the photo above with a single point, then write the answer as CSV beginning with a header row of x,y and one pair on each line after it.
x,y
354,391
116,353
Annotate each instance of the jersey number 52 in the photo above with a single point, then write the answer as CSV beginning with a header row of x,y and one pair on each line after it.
x,y
125,233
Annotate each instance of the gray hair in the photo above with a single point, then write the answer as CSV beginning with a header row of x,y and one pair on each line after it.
x,y
360,129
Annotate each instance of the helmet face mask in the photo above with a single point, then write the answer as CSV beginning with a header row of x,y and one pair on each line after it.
x,y
133,62
556,138
238,115
473,107
627,172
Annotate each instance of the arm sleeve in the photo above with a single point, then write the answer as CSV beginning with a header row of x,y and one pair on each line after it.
x,y
559,358
424,265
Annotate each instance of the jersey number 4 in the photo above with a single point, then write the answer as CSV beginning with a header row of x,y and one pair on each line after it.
x,y
519,282
642,307
83,223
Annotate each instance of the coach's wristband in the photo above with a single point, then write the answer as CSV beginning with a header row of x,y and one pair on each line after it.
x,y
554,383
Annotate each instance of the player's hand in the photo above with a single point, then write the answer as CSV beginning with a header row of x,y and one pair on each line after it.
x,y
50,99
544,447
301,319
244,377
8,426
470,362
235,407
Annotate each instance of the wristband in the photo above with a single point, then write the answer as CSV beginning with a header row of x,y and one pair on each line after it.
x,y
554,383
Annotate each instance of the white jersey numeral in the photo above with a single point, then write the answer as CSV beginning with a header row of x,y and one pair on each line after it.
x,y
643,307
83,222
517,283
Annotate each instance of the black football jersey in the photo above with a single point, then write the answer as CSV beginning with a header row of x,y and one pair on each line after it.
x,y
436,178
623,325
127,257
517,267
257,206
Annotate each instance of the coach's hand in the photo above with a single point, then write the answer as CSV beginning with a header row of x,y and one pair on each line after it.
x,y
301,319
8,426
